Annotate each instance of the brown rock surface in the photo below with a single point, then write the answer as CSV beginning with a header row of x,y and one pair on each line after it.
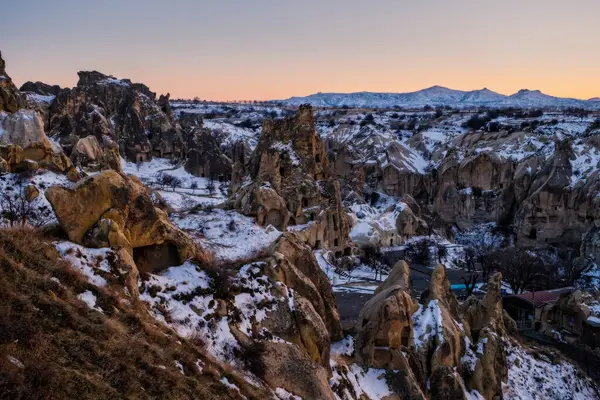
x,y
111,209
291,184
10,97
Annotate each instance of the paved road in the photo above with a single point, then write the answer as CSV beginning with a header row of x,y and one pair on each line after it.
x,y
349,306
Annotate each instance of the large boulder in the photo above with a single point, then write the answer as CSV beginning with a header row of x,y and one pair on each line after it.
x,y
89,154
110,209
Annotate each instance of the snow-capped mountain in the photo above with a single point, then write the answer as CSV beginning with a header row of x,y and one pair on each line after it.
x,y
441,96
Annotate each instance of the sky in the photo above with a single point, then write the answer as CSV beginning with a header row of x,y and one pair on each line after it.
x,y
275,49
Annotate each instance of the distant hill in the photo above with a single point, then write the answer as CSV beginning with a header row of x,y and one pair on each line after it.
x,y
442,96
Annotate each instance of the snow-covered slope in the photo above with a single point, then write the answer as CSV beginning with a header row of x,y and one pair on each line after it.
x,y
441,96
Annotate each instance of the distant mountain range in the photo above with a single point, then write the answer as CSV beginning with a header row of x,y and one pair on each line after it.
x,y
441,96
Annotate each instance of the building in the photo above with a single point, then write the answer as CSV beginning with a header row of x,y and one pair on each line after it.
x,y
529,309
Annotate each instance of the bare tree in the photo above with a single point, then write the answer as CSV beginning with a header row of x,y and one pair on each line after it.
x,y
194,186
17,207
168,181
210,186
470,283
442,252
520,268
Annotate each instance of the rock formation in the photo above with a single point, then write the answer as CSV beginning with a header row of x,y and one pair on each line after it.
x,y
453,348
291,184
88,154
10,98
24,145
110,209
205,158
40,88
474,179
128,113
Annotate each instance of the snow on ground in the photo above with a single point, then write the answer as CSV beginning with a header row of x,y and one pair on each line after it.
x,y
360,279
183,298
228,134
586,161
283,394
92,263
90,299
533,375
9,183
363,382
231,236
343,347
190,191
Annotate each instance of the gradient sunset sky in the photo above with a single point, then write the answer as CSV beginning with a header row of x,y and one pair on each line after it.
x,y
268,49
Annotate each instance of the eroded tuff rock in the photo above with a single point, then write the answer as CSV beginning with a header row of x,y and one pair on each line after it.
x,y
10,98
391,228
308,324
291,184
24,145
88,153
205,158
40,88
487,320
110,209
440,348
510,177
129,113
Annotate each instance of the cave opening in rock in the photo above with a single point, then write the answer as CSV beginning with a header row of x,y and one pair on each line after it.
x,y
156,258
533,233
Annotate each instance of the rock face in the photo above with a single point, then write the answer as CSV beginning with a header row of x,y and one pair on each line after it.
x,y
24,145
128,113
110,209
391,228
291,185
10,98
40,88
205,158
89,154
479,177
450,347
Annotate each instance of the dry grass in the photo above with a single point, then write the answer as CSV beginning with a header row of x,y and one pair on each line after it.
x,y
52,346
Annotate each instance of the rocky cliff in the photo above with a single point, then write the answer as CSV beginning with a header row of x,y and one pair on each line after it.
x,y
290,184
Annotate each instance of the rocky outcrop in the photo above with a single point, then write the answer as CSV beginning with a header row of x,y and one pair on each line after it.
x,y
128,113
287,343
440,348
110,209
205,158
88,154
291,185
10,98
485,362
24,145
40,88
385,325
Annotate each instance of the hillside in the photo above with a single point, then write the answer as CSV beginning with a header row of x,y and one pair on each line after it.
x,y
440,96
